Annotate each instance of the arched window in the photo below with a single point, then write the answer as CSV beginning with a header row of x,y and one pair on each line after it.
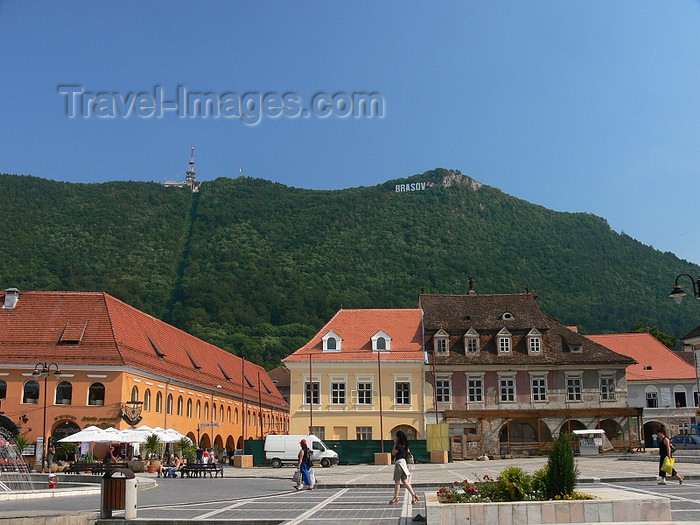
x,y
679,396
213,411
180,405
3,389
135,393
147,400
198,414
221,413
30,394
381,343
169,405
652,396
331,344
235,416
64,393
96,394
228,414
159,402
189,408
206,410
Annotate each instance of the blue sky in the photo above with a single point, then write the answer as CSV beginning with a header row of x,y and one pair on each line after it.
x,y
577,106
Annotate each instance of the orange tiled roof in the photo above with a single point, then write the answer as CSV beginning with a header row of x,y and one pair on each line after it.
x,y
356,328
649,352
94,328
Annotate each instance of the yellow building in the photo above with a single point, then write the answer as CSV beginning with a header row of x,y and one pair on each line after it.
x,y
360,377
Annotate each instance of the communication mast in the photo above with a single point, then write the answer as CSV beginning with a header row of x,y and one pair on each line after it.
x,y
190,177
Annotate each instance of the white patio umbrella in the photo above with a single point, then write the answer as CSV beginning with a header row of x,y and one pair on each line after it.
x,y
171,435
91,434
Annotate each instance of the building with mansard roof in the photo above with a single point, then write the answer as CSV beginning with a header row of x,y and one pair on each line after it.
x,y
116,364
507,377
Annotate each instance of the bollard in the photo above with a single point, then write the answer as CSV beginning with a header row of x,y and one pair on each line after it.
x,y
119,493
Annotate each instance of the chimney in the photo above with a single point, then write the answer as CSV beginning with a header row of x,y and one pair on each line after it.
x,y
11,298
471,286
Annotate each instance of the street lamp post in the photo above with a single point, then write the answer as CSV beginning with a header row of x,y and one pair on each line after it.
x,y
677,293
43,370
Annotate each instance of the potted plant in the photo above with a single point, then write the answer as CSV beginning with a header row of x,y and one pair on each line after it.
x,y
21,442
88,457
188,451
152,449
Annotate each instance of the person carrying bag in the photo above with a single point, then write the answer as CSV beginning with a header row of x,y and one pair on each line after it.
x,y
666,459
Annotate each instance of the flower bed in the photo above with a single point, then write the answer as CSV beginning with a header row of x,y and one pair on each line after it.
x,y
607,505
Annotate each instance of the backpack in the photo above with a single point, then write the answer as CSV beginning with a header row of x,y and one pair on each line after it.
x,y
309,458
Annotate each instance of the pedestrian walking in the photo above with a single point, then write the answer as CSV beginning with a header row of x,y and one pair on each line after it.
x,y
303,464
401,452
666,451
50,453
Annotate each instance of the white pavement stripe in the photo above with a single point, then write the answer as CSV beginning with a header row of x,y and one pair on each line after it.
x,y
651,492
219,511
313,510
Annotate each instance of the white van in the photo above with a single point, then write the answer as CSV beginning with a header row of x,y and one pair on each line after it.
x,y
281,448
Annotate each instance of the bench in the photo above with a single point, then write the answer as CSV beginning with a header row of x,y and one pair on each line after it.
x,y
200,470
95,468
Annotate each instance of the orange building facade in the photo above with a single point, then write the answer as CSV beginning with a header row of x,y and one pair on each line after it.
x,y
120,367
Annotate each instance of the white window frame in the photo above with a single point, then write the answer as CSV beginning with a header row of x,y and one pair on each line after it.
x,y
536,394
308,392
651,393
572,391
381,334
534,342
362,392
478,389
397,401
443,389
333,392
338,342
505,342
441,342
606,393
471,338
514,394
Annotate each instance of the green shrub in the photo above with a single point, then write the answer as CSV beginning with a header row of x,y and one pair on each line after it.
x,y
539,483
514,483
562,472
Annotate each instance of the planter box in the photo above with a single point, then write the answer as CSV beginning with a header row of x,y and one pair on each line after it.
x,y
382,458
438,456
243,461
610,505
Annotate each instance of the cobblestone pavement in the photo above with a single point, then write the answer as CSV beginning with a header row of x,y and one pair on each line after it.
x,y
357,494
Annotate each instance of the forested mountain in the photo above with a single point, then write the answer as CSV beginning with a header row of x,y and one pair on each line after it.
x,y
257,267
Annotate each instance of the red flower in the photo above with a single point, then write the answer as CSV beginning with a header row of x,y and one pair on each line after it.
x,y
457,483
442,490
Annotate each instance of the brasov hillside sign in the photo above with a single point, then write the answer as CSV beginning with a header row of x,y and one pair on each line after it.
x,y
413,186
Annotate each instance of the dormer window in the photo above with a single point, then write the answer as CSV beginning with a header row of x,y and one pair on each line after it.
x,y
331,342
441,342
506,316
534,342
576,349
504,338
381,342
471,341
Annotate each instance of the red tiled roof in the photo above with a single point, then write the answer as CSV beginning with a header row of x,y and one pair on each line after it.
x,y
648,352
356,328
106,331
